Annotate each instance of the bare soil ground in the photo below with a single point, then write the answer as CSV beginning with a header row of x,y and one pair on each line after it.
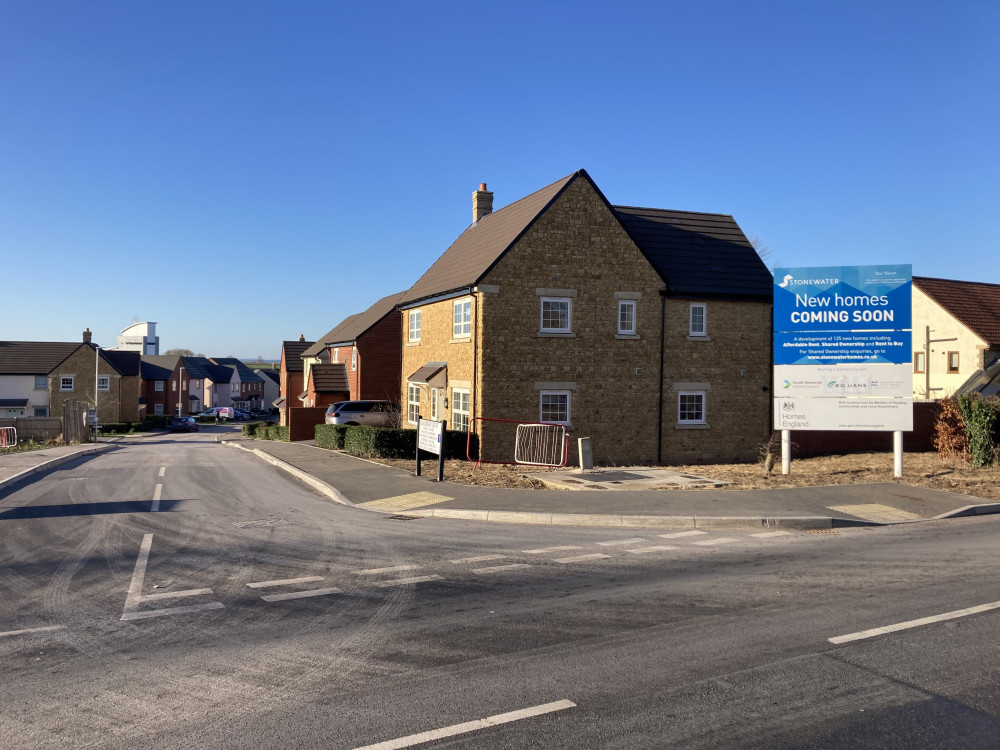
x,y
919,470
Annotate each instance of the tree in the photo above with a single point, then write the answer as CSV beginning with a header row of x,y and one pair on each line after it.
x,y
182,353
765,253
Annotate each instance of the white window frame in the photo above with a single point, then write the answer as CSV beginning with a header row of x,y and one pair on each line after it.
x,y
435,403
569,407
335,359
413,326
461,318
104,382
692,331
627,304
158,409
354,358
66,383
412,403
158,385
44,380
682,417
460,397
568,301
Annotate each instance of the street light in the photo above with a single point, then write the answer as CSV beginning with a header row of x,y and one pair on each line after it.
x,y
97,369
180,390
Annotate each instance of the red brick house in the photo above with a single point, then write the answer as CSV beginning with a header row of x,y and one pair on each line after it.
x,y
291,374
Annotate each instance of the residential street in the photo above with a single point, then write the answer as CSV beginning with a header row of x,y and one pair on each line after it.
x,y
176,593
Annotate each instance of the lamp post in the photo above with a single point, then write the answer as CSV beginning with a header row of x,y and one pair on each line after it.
x,y
180,390
97,369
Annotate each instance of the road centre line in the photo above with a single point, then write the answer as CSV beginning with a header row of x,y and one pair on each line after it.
x,y
156,498
679,534
470,726
861,635
405,581
548,549
376,571
581,558
480,558
300,594
146,614
646,550
499,568
163,470
284,582
25,631
621,542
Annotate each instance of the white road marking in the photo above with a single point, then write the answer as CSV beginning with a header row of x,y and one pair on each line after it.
x,y
481,558
914,623
679,534
299,595
498,568
376,571
711,542
470,726
580,558
163,470
405,581
134,597
548,549
621,542
284,582
645,550
156,498
770,534
44,629
146,614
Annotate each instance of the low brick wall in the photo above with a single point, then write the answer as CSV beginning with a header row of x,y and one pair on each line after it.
x,y
302,422
815,443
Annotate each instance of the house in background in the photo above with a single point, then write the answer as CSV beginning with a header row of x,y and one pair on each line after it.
x,y
271,380
327,385
251,394
24,375
291,375
156,397
368,345
956,336
89,372
644,329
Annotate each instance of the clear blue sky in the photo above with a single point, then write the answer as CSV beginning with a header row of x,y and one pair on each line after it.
x,y
241,172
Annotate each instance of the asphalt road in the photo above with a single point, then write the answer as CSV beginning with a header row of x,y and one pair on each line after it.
x,y
175,593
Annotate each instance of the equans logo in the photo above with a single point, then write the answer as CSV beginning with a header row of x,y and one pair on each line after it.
x,y
790,280
843,385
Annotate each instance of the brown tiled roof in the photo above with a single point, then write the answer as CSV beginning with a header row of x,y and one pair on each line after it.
x,y
351,327
480,246
33,357
329,378
293,354
974,304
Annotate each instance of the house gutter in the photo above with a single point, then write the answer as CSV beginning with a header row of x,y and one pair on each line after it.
x,y
659,422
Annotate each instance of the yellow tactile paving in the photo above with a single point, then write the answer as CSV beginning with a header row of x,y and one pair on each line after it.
x,y
876,512
406,502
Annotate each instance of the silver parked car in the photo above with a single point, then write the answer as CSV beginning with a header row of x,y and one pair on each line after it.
x,y
375,413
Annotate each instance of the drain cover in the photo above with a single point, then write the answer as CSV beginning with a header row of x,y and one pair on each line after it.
x,y
403,518
613,476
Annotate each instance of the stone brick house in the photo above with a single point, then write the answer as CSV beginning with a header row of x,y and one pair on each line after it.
x,y
956,337
368,345
24,375
291,383
112,376
643,329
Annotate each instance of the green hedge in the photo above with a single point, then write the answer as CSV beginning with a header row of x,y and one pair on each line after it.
x,y
271,432
981,417
386,442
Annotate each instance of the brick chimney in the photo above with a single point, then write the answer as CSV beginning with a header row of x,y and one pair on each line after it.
x,y
87,335
302,337
482,203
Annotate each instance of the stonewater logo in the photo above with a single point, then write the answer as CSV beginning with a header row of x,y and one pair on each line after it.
x,y
790,280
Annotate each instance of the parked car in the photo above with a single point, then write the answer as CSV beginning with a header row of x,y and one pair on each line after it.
x,y
183,424
375,413
222,413
243,415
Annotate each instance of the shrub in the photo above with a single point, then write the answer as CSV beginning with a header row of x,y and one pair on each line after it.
x,y
980,416
331,436
949,431
272,432
250,429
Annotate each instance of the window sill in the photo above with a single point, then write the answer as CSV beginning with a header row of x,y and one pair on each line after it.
x,y
698,338
461,340
626,336
690,426
413,343
554,335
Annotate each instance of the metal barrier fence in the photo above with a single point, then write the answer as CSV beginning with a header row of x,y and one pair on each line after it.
x,y
514,441
8,437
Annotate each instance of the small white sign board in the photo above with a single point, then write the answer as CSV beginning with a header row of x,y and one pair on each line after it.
x,y
878,380
429,436
867,414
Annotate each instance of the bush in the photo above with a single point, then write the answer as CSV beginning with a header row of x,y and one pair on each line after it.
x,y
250,429
272,432
981,417
331,436
949,431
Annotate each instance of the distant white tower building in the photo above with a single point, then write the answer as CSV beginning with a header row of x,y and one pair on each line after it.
x,y
140,337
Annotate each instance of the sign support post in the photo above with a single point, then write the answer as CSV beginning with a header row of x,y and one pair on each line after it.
x,y
786,452
897,454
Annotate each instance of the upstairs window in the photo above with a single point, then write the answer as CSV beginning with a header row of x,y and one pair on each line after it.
x,y
557,315
354,358
918,362
626,317
952,361
414,326
461,326
41,383
103,383
697,325
158,385
66,382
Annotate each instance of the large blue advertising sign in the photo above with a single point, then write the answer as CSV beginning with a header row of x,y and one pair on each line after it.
x,y
869,308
